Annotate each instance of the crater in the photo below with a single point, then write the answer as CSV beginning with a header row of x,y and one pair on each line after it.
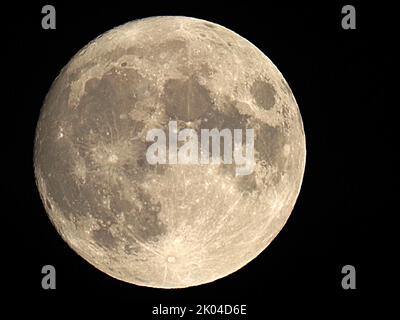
x,y
48,205
171,259
263,93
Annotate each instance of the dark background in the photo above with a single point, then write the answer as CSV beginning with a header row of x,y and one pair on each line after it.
x,y
338,78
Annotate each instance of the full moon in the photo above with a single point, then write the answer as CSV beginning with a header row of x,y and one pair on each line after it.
x,y
142,217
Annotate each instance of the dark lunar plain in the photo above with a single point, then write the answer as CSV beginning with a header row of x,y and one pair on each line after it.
x,y
340,81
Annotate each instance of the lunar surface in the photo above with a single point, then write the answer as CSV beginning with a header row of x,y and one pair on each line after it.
x,y
167,225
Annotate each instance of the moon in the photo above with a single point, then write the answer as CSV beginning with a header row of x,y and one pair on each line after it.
x,y
167,225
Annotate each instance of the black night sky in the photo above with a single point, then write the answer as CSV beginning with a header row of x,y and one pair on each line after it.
x,y
337,77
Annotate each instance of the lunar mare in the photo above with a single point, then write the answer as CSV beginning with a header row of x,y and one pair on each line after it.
x,y
172,225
